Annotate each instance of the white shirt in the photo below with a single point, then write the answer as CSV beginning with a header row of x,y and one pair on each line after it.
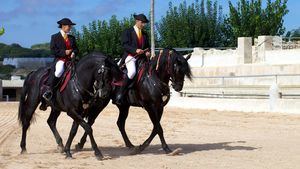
x,y
63,33
136,30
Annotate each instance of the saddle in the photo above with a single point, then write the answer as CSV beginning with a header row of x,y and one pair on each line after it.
x,y
132,95
64,79
141,69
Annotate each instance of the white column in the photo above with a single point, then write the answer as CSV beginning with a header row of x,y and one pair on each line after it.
x,y
244,50
264,43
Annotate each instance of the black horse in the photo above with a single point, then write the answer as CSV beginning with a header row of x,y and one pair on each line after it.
x,y
151,91
90,82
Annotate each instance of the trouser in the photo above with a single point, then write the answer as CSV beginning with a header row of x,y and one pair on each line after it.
x,y
131,67
59,68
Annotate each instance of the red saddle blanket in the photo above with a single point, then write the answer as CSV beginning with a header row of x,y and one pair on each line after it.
x,y
64,80
137,77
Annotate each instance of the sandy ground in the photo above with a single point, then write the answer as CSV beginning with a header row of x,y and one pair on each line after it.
x,y
209,139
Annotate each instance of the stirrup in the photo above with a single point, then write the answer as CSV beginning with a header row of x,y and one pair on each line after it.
x,y
47,95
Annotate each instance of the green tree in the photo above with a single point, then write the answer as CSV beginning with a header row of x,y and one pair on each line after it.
x,y
2,30
250,19
103,36
198,24
44,46
295,33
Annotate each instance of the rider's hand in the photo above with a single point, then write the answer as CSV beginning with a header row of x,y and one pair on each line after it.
x,y
68,52
148,54
139,51
72,55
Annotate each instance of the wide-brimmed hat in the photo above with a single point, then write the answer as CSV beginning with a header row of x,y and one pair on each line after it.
x,y
65,21
141,17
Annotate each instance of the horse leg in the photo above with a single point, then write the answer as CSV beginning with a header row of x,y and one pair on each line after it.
x,y
70,139
79,146
88,129
161,134
92,114
52,124
155,113
123,114
26,117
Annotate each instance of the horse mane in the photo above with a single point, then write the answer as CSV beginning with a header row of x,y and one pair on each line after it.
x,y
175,57
114,67
109,62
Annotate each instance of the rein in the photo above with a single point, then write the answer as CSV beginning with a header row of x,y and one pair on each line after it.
x,y
168,66
136,55
97,89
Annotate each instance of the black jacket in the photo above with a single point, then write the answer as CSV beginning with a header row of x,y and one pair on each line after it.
x,y
130,42
58,46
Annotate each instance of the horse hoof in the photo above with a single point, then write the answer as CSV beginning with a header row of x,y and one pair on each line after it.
x,y
175,152
60,149
131,147
68,157
78,147
168,150
101,158
135,150
24,151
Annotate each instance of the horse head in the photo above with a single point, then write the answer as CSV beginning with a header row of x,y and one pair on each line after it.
x,y
174,67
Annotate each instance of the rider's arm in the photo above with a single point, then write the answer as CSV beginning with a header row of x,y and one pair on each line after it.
x,y
57,52
126,43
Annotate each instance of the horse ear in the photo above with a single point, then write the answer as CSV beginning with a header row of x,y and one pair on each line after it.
x,y
188,56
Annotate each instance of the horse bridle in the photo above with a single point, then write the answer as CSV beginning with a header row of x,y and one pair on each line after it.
x,y
169,70
97,86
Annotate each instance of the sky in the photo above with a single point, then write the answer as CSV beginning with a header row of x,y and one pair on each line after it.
x,y
29,22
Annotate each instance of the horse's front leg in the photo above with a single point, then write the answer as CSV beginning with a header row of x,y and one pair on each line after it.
x,y
155,113
70,139
92,113
52,124
79,146
78,120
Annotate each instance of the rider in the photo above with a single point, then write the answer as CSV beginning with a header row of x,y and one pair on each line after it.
x,y
63,47
134,41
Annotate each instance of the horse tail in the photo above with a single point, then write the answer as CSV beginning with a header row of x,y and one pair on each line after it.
x,y
24,115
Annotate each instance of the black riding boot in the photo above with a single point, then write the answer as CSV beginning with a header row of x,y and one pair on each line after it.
x,y
52,83
123,90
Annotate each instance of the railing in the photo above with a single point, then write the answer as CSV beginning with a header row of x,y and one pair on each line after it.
x,y
242,95
247,76
204,48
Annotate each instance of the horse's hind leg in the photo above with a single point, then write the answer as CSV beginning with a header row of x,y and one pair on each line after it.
x,y
26,118
123,114
52,124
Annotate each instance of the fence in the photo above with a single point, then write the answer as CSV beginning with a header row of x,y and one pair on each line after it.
x,y
250,91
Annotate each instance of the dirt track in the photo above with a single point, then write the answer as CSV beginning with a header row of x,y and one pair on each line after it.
x,y
209,139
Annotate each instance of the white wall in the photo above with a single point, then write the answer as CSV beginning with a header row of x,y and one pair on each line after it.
x,y
213,57
31,63
279,57
224,58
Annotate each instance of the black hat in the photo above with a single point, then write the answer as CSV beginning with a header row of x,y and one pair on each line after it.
x,y
141,17
65,21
